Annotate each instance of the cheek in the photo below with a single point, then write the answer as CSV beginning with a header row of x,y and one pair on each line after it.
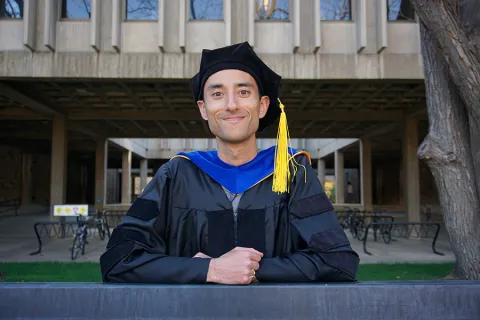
x,y
214,105
250,104
211,109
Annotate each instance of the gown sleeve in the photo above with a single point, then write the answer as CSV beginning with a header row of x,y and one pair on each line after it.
x,y
322,251
136,251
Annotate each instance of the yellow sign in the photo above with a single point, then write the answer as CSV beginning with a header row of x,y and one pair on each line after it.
x,y
65,210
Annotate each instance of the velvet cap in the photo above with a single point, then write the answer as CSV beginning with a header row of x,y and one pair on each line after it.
x,y
242,57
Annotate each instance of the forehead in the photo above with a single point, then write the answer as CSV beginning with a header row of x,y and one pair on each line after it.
x,y
229,77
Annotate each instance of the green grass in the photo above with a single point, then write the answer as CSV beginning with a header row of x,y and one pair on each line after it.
x,y
51,271
383,272
90,272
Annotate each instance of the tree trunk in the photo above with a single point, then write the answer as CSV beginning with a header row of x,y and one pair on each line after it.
x,y
446,149
455,26
451,48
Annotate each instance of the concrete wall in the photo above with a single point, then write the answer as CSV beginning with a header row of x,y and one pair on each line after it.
x,y
10,173
389,191
303,47
390,194
41,179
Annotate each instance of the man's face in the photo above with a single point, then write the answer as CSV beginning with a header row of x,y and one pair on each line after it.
x,y
232,105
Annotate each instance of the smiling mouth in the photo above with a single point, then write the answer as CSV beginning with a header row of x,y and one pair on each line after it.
x,y
234,119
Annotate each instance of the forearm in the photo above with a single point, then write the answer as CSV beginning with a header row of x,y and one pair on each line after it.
x,y
139,266
308,267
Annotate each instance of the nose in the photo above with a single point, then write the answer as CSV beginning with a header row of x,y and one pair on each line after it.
x,y
232,104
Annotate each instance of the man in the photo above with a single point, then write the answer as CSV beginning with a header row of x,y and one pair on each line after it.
x,y
233,216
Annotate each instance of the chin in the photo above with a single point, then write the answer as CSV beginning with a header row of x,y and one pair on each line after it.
x,y
234,137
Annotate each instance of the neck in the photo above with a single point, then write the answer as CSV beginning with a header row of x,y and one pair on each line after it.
x,y
237,154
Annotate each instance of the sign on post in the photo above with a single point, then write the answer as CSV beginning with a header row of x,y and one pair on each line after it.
x,y
70,210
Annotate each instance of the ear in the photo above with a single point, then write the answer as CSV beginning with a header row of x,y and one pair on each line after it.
x,y
202,109
264,104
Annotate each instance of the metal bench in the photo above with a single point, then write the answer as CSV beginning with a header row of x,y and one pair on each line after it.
x,y
404,230
333,301
112,218
356,222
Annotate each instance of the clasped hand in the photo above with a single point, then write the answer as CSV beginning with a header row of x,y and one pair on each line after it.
x,y
237,266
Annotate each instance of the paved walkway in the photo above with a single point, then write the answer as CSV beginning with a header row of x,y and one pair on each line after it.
x,y
18,240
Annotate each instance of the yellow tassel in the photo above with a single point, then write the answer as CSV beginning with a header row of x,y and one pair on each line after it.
x,y
281,173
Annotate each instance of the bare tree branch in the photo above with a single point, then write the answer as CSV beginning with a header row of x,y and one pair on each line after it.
x,y
335,10
463,62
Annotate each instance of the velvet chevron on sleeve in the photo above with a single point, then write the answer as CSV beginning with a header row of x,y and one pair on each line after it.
x,y
320,249
138,248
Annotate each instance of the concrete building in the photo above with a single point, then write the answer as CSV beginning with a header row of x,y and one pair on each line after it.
x,y
80,78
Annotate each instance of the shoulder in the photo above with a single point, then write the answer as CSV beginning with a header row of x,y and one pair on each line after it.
x,y
176,164
172,167
302,157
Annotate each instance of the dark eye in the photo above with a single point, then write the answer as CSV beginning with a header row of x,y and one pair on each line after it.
x,y
216,94
244,92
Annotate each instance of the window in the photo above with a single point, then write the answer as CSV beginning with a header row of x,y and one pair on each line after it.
x,y
399,10
76,9
12,9
271,10
206,9
142,9
335,10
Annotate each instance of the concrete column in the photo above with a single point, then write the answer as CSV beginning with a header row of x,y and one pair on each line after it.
x,y
127,177
29,23
411,170
339,178
58,180
116,24
401,184
366,173
143,173
101,157
321,171
26,179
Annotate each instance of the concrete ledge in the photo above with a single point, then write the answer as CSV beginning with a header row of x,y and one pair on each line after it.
x,y
367,300
171,65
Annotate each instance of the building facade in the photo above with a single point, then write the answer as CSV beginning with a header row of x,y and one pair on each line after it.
x,y
80,78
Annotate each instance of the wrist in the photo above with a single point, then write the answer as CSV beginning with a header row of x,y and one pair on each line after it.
x,y
211,270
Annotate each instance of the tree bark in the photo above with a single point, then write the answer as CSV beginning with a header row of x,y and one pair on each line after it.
x,y
455,27
446,149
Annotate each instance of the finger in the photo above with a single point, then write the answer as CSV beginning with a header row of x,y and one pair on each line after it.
x,y
246,280
254,265
251,250
254,256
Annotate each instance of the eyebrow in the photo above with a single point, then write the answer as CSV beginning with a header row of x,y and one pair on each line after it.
x,y
244,84
240,84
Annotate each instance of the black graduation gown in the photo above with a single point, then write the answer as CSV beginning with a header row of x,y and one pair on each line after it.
x,y
183,211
